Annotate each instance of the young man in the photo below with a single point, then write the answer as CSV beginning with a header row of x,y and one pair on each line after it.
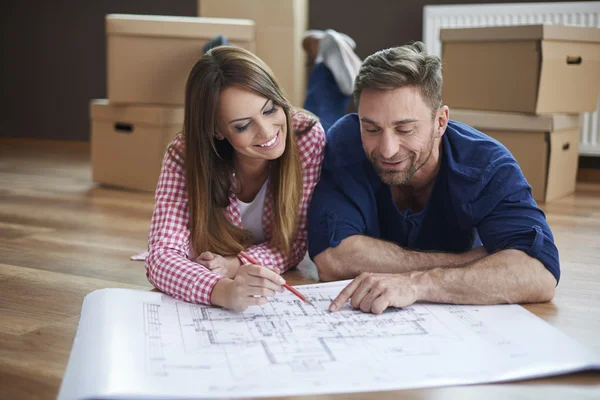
x,y
416,207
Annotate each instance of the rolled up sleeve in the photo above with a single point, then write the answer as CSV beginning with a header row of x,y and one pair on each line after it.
x,y
507,217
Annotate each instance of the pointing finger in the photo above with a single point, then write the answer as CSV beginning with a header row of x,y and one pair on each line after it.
x,y
345,294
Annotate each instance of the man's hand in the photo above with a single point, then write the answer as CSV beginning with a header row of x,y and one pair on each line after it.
x,y
372,292
224,266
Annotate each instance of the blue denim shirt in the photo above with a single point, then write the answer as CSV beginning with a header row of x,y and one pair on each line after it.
x,y
480,196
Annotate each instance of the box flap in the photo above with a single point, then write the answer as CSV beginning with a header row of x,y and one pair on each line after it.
x,y
478,76
266,13
169,26
503,121
521,32
569,77
562,168
571,33
101,109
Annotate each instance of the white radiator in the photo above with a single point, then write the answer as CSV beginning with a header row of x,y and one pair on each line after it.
x,y
466,16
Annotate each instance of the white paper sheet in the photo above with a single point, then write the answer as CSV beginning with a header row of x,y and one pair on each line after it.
x,y
146,345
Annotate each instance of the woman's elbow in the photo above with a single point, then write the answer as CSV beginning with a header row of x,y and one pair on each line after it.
x,y
152,266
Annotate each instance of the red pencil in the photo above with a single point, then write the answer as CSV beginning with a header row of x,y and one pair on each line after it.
x,y
285,285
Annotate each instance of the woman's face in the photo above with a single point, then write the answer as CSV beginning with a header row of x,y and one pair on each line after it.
x,y
254,126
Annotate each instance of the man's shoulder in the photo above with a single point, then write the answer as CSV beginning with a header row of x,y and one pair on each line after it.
x,y
472,153
344,146
479,170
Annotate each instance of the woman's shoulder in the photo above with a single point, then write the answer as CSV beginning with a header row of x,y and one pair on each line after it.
x,y
174,154
310,132
302,120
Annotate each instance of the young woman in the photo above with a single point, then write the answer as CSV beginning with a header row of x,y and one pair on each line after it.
x,y
237,181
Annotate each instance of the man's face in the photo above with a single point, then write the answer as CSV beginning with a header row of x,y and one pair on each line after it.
x,y
398,132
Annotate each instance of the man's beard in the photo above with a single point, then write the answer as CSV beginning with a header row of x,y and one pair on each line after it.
x,y
396,177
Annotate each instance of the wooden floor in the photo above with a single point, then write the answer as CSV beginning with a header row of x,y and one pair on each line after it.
x,y
62,236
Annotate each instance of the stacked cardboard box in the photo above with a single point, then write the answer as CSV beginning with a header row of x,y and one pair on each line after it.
x,y
525,86
280,25
148,62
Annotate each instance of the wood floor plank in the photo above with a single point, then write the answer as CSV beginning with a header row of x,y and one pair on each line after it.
x,y
32,298
80,260
12,231
75,214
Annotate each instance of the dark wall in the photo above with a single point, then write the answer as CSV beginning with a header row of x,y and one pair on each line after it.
x,y
54,52
54,61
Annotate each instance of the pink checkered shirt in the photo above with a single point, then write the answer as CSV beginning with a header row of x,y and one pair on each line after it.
x,y
169,265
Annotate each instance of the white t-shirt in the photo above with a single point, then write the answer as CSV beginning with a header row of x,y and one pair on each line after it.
x,y
252,215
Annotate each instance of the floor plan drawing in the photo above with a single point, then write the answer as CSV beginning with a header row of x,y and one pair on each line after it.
x,y
151,344
287,331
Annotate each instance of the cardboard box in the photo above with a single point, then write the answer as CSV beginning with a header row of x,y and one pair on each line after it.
x,y
129,142
535,69
150,57
546,147
280,25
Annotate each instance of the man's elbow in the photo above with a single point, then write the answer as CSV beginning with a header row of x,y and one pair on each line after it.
x,y
539,286
328,266
547,285
548,294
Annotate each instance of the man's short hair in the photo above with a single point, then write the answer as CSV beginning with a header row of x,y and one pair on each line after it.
x,y
397,67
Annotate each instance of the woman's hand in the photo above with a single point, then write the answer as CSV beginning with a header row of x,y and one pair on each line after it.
x,y
224,266
251,286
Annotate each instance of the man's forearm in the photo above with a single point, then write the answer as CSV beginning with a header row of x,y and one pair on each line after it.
x,y
509,276
357,254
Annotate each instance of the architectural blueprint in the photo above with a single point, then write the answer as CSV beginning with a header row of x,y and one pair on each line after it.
x,y
149,345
